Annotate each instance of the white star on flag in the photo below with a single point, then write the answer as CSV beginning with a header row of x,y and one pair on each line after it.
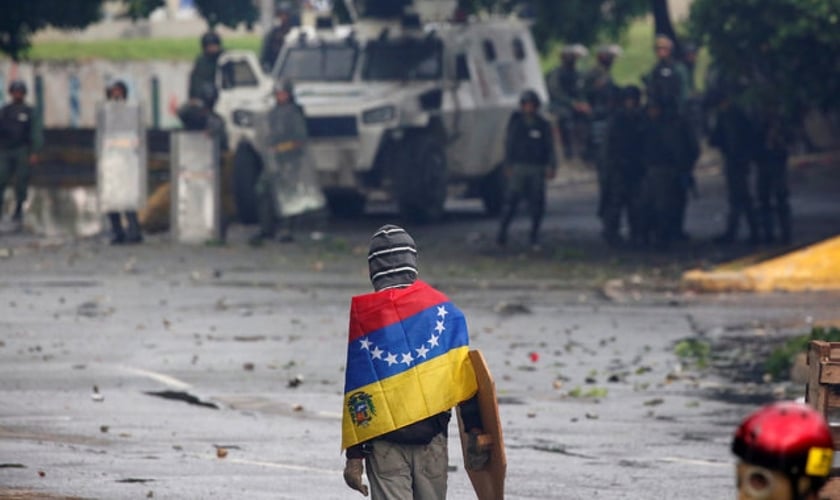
x,y
439,327
442,312
365,344
376,353
433,341
421,353
391,359
407,359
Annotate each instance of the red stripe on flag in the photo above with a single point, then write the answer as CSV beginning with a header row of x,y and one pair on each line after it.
x,y
373,311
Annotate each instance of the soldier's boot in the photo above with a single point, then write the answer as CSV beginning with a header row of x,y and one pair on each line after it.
x,y
731,232
752,225
133,235
117,233
17,217
767,230
785,230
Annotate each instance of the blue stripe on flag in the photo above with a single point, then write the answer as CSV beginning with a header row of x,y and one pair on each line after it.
x,y
401,346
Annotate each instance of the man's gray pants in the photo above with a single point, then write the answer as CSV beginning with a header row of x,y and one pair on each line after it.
x,y
406,471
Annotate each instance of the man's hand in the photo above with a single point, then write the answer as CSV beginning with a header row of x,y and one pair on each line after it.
x,y
33,159
477,455
353,475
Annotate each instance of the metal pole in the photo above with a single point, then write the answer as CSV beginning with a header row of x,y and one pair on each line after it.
x,y
155,102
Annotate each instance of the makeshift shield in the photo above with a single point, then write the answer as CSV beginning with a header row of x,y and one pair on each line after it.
x,y
120,157
196,191
289,170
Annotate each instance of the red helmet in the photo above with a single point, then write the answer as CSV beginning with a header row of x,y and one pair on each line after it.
x,y
789,437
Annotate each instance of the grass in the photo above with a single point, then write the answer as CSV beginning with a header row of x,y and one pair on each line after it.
x,y
134,49
637,59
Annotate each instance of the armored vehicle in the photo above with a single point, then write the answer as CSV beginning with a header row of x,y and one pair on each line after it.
x,y
408,105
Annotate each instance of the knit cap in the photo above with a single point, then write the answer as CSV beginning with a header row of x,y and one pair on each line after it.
x,y
392,258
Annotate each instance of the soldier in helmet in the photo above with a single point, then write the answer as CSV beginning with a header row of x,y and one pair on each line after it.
x,y
118,91
274,40
204,68
529,162
20,140
784,452
624,164
198,114
601,94
288,137
565,90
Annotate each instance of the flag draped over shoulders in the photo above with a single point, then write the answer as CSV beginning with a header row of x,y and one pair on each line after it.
x,y
407,359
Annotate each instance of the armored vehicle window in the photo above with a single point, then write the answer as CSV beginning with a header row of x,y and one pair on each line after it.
x,y
404,59
333,63
238,74
489,50
519,49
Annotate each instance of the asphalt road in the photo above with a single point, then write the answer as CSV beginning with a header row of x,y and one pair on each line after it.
x,y
581,339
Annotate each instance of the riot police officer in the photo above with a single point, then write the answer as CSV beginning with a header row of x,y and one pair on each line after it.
x,y
204,68
274,40
287,140
198,114
601,94
566,96
734,135
771,181
624,164
529,162
118,91
670,151
20,140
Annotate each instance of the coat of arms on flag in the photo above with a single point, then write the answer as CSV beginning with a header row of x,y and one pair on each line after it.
x,y
407,359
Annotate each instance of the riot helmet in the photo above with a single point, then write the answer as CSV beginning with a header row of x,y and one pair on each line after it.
x,y
17,86
530,96
116,90
790,438
209,39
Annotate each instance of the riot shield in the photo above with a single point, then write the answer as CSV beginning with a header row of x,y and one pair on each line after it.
x,y
121,171
290,175
196,187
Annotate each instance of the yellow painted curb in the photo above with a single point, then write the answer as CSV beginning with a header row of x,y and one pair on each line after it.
x,y
816,267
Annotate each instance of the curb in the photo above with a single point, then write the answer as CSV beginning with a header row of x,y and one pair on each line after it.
x,y
812,268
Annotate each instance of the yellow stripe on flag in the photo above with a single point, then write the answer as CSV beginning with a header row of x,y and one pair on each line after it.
x,y
429,388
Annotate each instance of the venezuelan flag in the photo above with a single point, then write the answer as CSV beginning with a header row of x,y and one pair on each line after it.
x,y
407,359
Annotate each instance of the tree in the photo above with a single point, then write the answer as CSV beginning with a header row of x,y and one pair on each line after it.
x,y
784,50
228,12
138,9
18,23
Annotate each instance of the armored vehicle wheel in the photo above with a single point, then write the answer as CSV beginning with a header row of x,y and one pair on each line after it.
x,y
421,179
345,204
247,166
492,191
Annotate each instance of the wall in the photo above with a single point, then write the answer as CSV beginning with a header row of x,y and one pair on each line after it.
x,y
72,89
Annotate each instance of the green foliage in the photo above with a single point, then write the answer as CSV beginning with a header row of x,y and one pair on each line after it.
x,y
593,393
574,21
695,351
779,362
138,9
228,12
19,21
788,49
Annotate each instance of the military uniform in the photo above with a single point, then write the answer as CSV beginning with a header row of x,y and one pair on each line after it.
x,y
670,150
529,159
601,94
735,137
771,182
287,137
624,164
20,137
204,68
565,88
